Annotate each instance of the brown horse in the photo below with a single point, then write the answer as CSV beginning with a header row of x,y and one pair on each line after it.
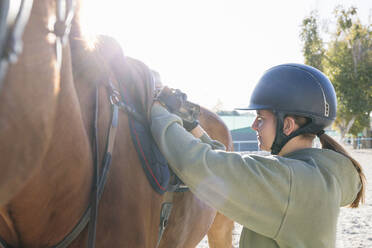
x,y
46,114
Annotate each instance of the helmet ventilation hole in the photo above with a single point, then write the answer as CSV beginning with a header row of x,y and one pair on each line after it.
x,y
326,111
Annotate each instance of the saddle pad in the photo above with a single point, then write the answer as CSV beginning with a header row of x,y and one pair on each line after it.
x,y
152,160
138,79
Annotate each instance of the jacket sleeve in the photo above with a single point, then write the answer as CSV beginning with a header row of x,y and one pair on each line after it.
x,y
252,190
215,144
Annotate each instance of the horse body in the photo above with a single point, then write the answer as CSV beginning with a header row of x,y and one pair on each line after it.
x,y
46,128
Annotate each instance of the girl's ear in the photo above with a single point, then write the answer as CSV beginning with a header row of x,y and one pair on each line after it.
x,y
289,125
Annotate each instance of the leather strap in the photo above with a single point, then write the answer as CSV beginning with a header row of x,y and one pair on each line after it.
x,y
100,183
75,232
62,26
166,209
12,25
4,244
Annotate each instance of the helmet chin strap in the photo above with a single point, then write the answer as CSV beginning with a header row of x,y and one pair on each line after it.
x,y
281,139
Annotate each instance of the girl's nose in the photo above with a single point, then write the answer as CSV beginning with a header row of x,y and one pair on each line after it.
x,y
255,125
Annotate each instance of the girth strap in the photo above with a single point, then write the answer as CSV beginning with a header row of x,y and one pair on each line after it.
x,y
166,209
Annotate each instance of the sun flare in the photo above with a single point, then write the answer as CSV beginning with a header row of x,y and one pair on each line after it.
x,y
214,50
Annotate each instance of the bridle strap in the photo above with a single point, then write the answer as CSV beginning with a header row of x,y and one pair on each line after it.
x,y
12,25
64,16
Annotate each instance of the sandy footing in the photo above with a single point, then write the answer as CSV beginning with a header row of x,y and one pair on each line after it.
x,y
355,225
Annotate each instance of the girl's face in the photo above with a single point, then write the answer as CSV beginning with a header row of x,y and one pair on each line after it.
x,y
265,127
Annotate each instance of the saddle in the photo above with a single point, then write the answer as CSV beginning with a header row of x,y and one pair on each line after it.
x,y
137,89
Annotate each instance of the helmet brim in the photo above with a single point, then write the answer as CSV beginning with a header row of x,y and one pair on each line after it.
x,y
255,107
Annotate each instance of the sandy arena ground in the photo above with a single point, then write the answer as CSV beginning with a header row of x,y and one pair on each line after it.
x,y
355,225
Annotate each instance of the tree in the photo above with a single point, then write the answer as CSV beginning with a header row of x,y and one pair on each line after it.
x,y
347,61
218,107
313,49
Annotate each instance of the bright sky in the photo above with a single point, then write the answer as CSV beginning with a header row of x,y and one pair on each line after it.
x,y
213,50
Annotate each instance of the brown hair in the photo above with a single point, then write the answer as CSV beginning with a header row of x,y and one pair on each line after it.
x,y
329,143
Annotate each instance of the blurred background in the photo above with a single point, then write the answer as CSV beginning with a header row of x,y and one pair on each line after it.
x,y
216,50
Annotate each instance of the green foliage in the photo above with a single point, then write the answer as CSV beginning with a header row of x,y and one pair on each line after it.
x,y
344,18
347,61
359,124
313,50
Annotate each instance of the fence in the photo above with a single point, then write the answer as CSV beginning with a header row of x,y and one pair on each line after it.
x,y
357,143
360,142
238,144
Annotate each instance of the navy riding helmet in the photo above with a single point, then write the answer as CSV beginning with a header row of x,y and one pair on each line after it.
x,y
295,89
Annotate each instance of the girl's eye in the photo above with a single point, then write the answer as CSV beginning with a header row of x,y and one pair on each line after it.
x,y
260,121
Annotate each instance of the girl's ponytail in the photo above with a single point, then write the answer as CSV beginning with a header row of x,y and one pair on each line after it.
x,y
329,143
